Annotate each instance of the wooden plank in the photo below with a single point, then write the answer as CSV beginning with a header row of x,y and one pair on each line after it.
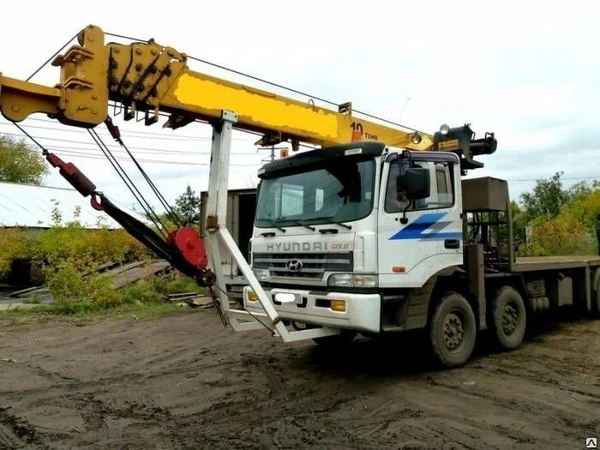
x,y
139,272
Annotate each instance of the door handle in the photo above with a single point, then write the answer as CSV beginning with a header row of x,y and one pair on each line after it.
x,y
452,243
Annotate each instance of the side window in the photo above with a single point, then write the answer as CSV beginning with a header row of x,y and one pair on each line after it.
x,y
392,203
442,193
444,185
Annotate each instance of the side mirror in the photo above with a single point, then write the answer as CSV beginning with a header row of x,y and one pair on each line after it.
x,y
415,182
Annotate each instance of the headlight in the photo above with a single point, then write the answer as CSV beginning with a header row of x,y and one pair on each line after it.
x,y
445,129
261,274
353,280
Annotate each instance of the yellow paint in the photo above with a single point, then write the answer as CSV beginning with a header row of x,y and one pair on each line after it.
x,y
261,108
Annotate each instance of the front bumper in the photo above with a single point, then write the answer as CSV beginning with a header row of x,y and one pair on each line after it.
x,y
361,312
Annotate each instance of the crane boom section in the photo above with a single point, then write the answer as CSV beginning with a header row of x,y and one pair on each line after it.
x,y
147,78
19,99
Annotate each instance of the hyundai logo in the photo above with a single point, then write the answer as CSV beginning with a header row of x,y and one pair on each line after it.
x,y
294,265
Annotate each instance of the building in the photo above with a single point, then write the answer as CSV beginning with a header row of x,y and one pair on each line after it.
x,y
34,207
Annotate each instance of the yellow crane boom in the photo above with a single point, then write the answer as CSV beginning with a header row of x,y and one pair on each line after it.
x,y
147,78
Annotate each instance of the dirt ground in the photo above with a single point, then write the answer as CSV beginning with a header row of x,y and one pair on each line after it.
x,y
185,382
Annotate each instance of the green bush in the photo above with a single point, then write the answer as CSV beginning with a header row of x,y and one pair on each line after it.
x,y
567,227
66,258
73,293
14,244
68,243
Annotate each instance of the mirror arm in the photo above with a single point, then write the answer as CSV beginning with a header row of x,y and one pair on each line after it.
x,y
404,219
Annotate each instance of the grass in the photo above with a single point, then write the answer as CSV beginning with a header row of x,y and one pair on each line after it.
x,y
83,304
84,314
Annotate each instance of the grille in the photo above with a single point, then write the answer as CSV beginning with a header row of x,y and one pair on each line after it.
x,y
314,265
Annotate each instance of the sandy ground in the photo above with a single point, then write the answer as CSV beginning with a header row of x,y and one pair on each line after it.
x,y
185,382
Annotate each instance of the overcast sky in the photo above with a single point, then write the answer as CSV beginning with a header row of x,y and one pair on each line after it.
x,y
525,70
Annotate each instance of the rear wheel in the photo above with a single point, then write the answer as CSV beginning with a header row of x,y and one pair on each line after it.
x,y
508,318
452,331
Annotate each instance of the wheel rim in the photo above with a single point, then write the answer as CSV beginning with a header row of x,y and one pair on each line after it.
x,y
454,330
510,319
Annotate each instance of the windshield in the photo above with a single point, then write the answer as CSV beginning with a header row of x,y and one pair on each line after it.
x,y
340,191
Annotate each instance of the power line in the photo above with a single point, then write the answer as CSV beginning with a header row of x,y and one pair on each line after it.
x,y
148,161
138,149
95,154
126,133
187,155
277,85
52,57
565,179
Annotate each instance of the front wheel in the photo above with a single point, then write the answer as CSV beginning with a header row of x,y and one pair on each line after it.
x,y
452,331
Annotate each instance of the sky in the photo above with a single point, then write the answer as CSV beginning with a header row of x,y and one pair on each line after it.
x,y
526,71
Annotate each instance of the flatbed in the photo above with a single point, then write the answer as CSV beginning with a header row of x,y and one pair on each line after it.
x,y
537,263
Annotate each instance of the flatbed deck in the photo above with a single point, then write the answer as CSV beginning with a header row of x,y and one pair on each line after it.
x,y
534,263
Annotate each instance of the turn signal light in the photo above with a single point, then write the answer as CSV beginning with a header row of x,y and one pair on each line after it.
x,y
338,305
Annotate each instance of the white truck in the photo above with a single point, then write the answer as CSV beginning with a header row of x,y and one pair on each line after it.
x,y
373,239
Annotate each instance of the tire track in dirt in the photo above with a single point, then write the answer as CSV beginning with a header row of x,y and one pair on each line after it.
x,y
17,434
185,382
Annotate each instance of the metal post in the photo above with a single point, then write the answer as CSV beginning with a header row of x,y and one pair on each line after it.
x,y
216,226
217,233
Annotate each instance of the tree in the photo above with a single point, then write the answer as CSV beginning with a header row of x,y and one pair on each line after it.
x,y
546,199
563,221
20,164
187,207
518,219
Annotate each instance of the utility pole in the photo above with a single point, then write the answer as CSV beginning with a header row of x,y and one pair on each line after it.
x,y
272,150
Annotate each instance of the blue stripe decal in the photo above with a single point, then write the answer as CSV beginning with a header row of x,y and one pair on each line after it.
x,y
431,223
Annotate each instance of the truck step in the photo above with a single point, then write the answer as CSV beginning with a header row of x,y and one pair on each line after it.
x,y
391,327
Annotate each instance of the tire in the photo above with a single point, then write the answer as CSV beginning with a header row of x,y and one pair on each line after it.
x,y
344,338
452,331
508,318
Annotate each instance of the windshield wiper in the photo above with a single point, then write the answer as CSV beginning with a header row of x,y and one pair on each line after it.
x,y
274,225
302,224
341,224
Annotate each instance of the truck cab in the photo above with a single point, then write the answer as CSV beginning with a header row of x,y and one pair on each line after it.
x,y
344,234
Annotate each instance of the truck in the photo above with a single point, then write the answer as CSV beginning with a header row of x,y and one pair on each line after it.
x,y
374,230
334,247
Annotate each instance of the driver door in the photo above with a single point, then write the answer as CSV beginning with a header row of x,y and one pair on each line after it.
x,y
426,237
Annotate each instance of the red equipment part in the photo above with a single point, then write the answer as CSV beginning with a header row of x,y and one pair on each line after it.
x,y
188,243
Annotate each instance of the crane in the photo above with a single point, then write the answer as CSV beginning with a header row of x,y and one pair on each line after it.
x,y
146,78
149,79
